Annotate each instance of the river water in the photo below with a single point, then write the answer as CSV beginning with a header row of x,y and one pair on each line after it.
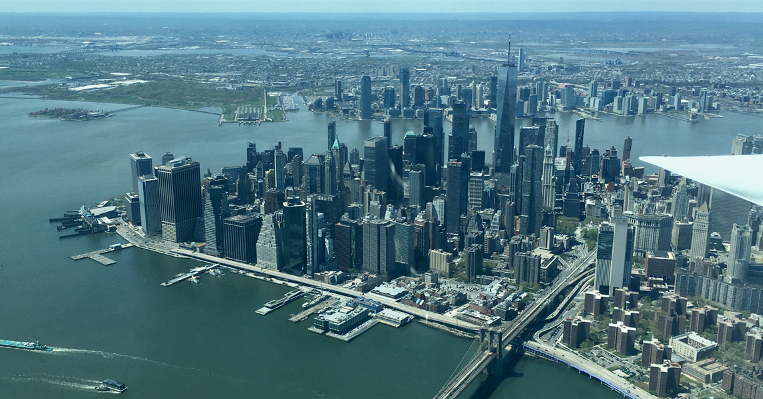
x,y
204,340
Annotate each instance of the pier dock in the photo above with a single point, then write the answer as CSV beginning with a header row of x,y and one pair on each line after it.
x,y
98,255
191,273
303,315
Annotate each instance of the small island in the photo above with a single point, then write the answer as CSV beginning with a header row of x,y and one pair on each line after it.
x,y
66,114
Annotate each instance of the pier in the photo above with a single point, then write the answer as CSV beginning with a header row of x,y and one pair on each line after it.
x,y
98,255
192,273
303,315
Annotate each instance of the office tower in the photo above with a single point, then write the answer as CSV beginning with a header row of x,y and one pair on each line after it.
x,y
132,208
141,166
395,185
742,145
652,232
456,194
294,237
700,234
150,213
376,162
475,188
365,97
578,157
757,144
739,254
551,135
279,165
339,153
331,134
379,248
405,86
493,90
179,198
478,97
294,151
467,96
627,148
593,88
503,149
388,131
433,119
216,209
478,160
405,241
419,95
532,196
521,64
348,250
725,210
471,141
614,256
240,234
474,261
389,97
549,192
338,90
329,174
354,156
269,247
312,182
416,187
680,205
571,203
459,136
704,104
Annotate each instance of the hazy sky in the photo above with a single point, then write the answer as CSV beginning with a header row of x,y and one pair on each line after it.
x,y
361,6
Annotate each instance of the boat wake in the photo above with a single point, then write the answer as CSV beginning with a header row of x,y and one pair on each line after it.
x,y
60,380
109,355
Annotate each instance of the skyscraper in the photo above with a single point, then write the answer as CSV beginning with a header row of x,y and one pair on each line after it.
x,y
405,95
148,195
521,57
294,236
379,248
627,148
240,237
532,196
140,164
365,97
338,89
331,134
376,162
578,157
433,119
549,192
269,247
215,211
680,206
503,149
459,136
279,163
739,254
614,255
456,195
179,198
700,234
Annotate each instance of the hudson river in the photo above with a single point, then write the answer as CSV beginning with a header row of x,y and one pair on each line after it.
x,y
204,340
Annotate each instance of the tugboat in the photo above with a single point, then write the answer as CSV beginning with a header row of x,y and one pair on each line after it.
x,y
111,385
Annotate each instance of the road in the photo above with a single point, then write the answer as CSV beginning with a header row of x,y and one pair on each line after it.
x,y
592,369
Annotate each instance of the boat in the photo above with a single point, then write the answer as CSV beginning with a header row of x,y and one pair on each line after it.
x,y
111,385
194,279
35,346
215,272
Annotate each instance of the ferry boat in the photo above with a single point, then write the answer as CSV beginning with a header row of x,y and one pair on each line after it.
x,y
35,346
111,385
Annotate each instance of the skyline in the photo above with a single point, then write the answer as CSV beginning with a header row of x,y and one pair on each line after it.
x,y
393,6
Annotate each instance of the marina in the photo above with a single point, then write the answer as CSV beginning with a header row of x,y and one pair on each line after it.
x,y
290,296
303,315
191,275
98,255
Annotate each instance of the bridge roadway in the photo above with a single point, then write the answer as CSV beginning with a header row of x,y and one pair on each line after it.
x,y
431,316
584,365
484,356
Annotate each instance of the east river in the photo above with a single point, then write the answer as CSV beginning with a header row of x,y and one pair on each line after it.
x,y
204,340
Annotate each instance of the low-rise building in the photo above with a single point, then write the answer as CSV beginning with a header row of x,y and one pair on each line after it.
x,y
691,346
705,371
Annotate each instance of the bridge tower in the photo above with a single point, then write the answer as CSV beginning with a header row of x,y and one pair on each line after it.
x,y
491,340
